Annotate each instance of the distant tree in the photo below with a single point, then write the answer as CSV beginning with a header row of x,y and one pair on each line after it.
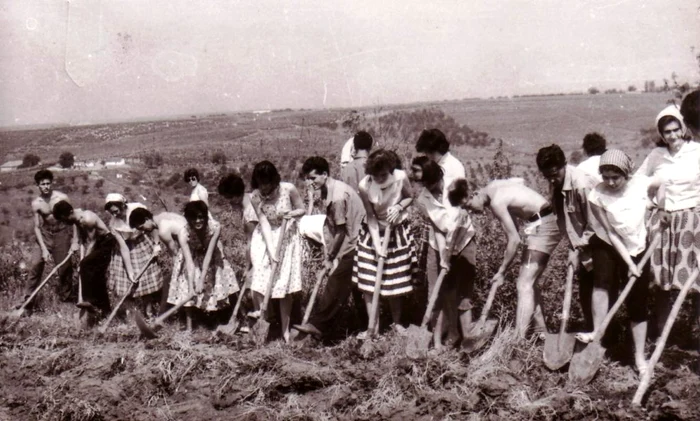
x,y
30,160
219,158
593,90
500,167
152,160
66,160
649,86
631,88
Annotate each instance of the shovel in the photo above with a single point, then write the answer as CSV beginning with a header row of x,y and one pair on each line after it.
x,y
559,347
482,330
232,326
150,331
131,290
15,315
661,341
261,328
314,293
374,313
586,363
419,337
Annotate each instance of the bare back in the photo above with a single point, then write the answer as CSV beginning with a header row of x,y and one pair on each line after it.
x,y
90,226
169,226
521,201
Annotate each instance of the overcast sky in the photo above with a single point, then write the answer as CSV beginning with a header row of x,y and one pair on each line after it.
x,y
83,61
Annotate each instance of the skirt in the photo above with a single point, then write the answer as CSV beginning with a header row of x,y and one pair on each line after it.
x,y
288,276
140,252
219,284
399,267
676,257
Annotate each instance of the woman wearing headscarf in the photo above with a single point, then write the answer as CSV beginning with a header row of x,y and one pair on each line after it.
x,y
676,216
618,206
122,271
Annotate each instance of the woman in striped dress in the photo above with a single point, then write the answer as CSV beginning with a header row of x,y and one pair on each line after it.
x,y
122,271
386,194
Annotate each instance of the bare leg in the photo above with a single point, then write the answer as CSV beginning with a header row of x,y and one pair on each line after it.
x,y
534,263
600,307
258,299
437,330
188,313
395,304
285,314
368,303
639,335
450,315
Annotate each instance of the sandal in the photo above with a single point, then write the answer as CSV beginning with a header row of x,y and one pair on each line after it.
x,y
364,335
585,337
400,330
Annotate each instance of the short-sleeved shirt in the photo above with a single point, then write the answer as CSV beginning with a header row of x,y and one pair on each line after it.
x,y
680,174
343,207
626,212
383,197
249,214
353,172
200,193
452,167
453,222
571,206
591,166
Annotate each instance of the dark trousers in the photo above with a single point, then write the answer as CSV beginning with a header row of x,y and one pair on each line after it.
x,y
338,288
585,296
58,242
93,272
610,274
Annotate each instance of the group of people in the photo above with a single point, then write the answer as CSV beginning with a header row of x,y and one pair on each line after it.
x,y
607,212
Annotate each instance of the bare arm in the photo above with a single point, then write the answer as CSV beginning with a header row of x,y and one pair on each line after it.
x,y
500,210
406,199
265,227
602,217
38,222
210,252
182,238
372,223
124,252
442,248
297,204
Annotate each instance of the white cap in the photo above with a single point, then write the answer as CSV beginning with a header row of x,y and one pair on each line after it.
x,y
115,197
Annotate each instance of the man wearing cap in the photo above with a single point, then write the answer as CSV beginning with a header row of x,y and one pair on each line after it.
x,y
512,202
569,188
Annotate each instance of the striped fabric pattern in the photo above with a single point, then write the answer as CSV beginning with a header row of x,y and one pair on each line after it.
x,y
399,267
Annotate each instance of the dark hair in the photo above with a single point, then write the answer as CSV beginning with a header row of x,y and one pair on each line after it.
x,y
594,144
315,163
231,186
139,216
121,205
194,209
191,172
432,140
666,120
690,109
62,210
264,172
458,191
420,161
614,168
380,160
550,157
362,141
398,165
43,175
432,173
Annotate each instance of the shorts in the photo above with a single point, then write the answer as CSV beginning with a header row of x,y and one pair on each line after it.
x,y
543,235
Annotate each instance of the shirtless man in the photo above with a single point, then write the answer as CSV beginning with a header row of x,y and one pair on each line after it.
x,y
163,228
96,244
511,201
53,237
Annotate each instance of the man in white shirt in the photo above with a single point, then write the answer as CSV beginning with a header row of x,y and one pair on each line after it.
x,y
434,144
594,145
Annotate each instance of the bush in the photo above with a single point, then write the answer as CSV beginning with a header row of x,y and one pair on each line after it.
x,y
66,160
30,160
99,183
219,158
152,159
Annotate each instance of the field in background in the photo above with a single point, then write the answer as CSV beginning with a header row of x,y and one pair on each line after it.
x,y
64,374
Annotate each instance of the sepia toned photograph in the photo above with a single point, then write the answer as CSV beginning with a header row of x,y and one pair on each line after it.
x,y
354,210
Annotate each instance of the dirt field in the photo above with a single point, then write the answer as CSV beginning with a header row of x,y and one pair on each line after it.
x,y
51,371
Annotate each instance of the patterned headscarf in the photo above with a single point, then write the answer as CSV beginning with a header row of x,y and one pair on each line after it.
x,y
617,159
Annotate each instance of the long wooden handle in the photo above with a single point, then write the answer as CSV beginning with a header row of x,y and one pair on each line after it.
x,y
378,282
41,285
270,282
567,299
172,310
611,313
128,293
237,307
661,341
312,299
489,303
433,298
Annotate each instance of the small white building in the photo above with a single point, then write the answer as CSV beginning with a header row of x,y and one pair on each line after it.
x,y
115,162
10,166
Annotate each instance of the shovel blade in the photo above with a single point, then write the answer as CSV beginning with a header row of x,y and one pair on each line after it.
x,y
418,341
227,329
558,350
259,331
479,335
146,330
586,364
